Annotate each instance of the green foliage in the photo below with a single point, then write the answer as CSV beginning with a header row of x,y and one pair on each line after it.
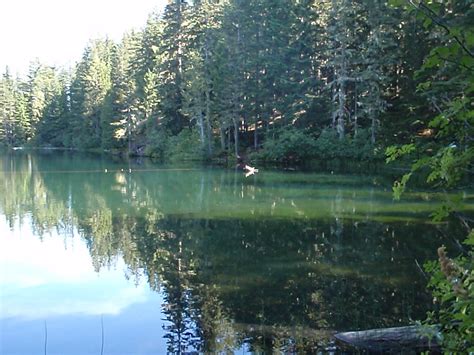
x,y
183,146
253,71
394,152
295,145
400,186
290,145
452,286
329,146
166,147
157,144
243,73
446,82
362,146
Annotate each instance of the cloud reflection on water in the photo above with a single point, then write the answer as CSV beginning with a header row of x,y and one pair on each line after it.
x,y
55,276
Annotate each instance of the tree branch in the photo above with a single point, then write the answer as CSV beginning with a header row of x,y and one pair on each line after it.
x,y
434,17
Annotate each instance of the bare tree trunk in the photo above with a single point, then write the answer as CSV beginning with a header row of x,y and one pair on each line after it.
x,y
373,128
340,116
342,96
334,113
179,59
222,138
208,94
208,121
255,134
257,101
129,131
355,110
202,136
236,135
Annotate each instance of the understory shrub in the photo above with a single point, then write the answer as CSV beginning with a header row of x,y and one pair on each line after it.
x,y
288,145
184,146
293,145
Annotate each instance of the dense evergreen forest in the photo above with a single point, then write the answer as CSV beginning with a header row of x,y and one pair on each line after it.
x,y
284,80
280,81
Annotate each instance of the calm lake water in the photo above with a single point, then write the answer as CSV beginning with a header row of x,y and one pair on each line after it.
x,y
101,256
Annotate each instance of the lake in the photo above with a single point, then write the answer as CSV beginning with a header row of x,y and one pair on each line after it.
x,y
102,256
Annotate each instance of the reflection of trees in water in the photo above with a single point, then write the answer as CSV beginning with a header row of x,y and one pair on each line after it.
x,y
269,283
195,318
218,275
24,194
175,273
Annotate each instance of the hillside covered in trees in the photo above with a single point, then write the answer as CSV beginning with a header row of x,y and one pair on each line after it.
x,y
287,79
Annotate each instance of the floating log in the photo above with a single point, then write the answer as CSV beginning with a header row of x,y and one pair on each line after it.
x,y
391,340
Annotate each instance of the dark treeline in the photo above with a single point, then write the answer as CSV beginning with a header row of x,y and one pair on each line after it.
x,y
287,79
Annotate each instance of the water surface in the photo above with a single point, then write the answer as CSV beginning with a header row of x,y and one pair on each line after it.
x,y
101,256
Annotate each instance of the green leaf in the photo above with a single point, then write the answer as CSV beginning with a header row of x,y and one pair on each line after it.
x,y
441,213
393,152
427,22
432,61
399,186
470,238
397,3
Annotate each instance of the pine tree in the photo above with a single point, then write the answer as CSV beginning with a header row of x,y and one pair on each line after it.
x,y
88,91
172,61
23,124
120,117
7,103
343,56
378,54
54,126
201,32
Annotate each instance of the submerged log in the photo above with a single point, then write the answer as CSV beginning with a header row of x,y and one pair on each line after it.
x,y
411,338
285,332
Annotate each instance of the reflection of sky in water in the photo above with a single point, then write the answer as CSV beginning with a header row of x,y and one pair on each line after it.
x,y
53,281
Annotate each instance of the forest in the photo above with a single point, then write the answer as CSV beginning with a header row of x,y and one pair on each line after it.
x,y
279,80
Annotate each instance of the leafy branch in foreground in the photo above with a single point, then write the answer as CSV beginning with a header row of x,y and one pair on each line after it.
x,y
445,158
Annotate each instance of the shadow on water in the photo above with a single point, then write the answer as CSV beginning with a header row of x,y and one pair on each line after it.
x,y
274,262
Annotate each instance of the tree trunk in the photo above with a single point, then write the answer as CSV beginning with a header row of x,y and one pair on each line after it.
x,y
208,94
255,135
374,122
236,135
391,340
208,120
342,102
201,130
257,99
222,138
356,127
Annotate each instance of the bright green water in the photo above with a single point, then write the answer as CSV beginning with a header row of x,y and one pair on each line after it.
x,y
202,258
